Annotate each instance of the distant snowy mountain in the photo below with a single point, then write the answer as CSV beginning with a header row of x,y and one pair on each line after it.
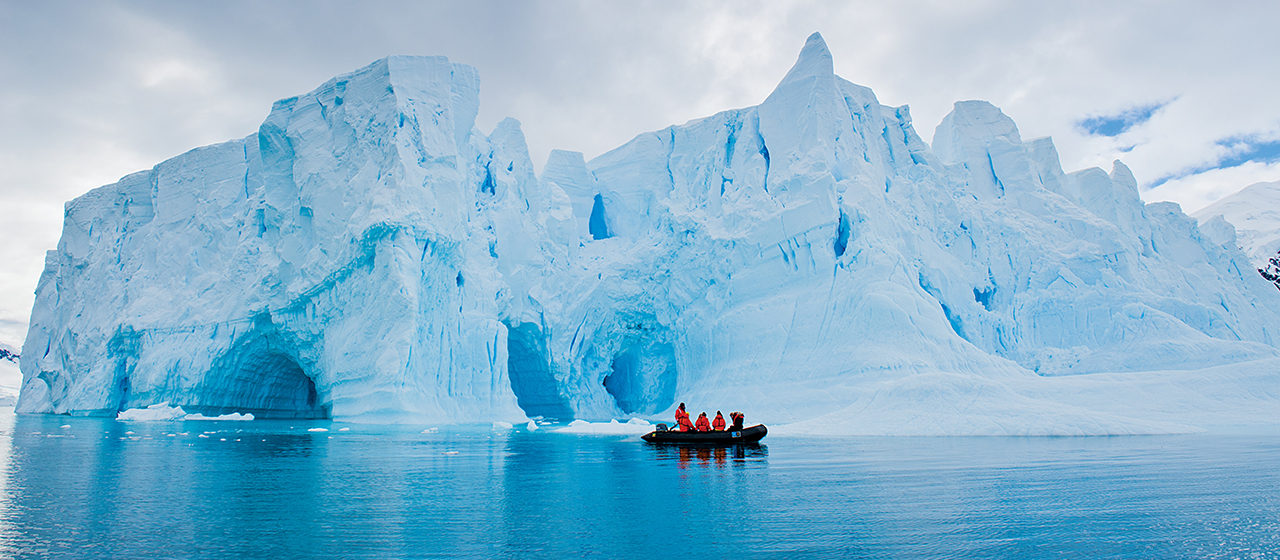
x,y
370,255
1255,213
8,353
10,376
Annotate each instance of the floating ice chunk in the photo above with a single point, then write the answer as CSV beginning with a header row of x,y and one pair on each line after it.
x,y
430,430
234,416
317,429
500,425
531,426
638,422
344,429
158,412
65,426
612,427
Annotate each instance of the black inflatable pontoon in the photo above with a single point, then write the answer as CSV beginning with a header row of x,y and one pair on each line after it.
x,y
746,435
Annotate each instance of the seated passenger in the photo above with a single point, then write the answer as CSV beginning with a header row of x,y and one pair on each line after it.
x,y
737,421
718,423
703,424
682,419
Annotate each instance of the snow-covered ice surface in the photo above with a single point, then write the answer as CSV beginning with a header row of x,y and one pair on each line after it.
x,y
371,256
1254,211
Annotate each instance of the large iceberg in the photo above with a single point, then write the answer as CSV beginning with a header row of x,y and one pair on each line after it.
x,y
370,255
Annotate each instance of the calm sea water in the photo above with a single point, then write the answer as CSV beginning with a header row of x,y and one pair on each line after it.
x,y
94,488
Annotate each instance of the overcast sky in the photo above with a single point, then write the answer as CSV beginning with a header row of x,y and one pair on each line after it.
x,y
1184,92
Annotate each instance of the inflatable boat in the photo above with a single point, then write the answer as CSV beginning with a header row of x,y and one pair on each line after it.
x,y
728,437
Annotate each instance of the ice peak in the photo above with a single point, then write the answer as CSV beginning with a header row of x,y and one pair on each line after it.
x,y
814,61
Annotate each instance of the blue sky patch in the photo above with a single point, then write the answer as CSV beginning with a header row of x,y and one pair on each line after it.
x,y
1244,149
1115,125
1241,149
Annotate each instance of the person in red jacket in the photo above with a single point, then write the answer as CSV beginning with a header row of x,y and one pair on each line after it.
x,y
718,423
682,419
703,424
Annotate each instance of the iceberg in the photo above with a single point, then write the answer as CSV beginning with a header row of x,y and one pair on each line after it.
x,y
371,256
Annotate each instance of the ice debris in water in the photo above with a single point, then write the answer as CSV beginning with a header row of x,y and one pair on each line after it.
x,y
531,426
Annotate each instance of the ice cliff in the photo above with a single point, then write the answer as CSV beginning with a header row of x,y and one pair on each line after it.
x,y
371,255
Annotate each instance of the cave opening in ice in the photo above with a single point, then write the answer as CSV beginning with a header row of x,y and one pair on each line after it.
x,y
643,377
529,369
260,375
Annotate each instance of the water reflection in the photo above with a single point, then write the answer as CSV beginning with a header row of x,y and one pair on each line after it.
x,y
719,456
97,488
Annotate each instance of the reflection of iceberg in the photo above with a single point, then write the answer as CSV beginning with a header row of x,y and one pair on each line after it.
x,y
370,255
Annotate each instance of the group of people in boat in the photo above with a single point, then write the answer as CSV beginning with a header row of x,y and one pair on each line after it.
x,y
702,424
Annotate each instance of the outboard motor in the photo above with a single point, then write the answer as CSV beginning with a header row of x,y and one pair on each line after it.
x,y
661,428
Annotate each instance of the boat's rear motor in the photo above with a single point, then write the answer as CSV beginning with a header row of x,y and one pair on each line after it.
x,y
661,428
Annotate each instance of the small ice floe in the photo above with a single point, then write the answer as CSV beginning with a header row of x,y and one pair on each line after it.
x,y
158,412
65,426
500,425
234,416
450,453
203,436
344,429
317,429
430,430
531,426
612,427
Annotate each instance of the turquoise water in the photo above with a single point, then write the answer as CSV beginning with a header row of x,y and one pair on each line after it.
x,y
274,489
